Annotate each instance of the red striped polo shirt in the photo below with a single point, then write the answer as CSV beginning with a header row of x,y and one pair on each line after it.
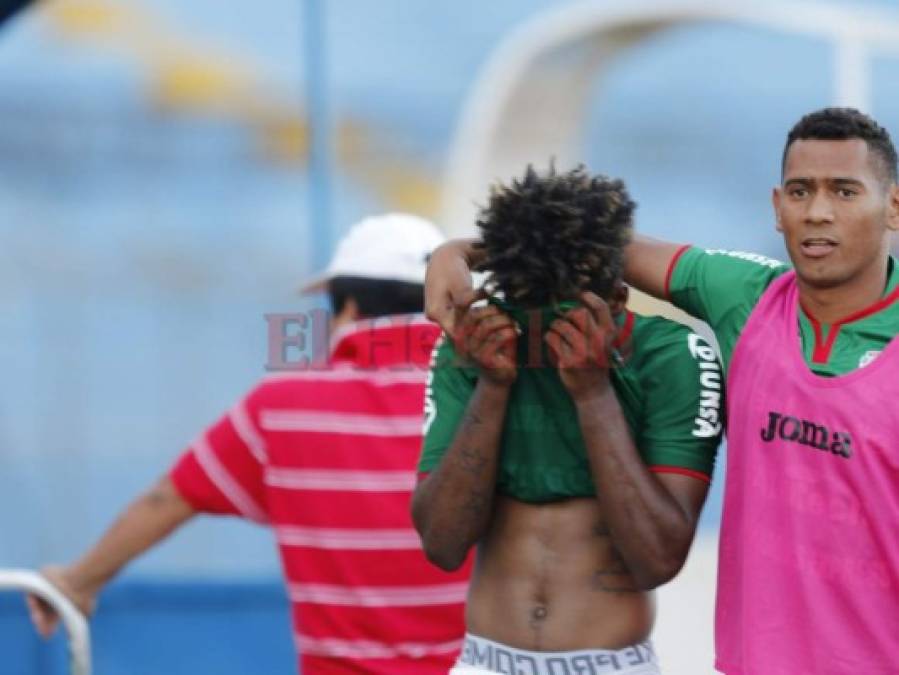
x,y
327,458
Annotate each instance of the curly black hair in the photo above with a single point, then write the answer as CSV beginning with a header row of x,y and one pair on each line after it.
x,y
843,124
546,238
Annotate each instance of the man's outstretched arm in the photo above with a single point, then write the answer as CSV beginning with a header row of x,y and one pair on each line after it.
x,y
146,521
448,289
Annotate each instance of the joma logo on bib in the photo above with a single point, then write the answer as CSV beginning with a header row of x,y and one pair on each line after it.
x,y
806,432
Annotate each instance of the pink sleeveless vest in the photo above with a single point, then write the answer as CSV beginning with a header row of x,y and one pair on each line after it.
x,y
808,579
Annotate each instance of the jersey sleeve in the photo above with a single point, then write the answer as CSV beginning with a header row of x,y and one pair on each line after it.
x,y
449,387
684,405
222,471
717,286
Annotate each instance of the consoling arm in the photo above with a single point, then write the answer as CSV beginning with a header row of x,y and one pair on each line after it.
x,y
448,286
647,262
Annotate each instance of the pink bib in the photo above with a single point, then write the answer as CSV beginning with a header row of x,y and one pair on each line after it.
x,y
808,579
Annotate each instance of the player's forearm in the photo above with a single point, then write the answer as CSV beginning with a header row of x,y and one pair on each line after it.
x,y
646,264
648,527
147,520
447,279
451,508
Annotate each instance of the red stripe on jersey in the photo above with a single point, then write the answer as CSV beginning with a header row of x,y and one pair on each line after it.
x,y
821,351
671,265
823,348
626,329
330,456
699,475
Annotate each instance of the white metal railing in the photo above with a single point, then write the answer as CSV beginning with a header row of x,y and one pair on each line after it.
x,y
74,622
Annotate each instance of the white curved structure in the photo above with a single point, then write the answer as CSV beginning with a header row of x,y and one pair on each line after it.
x,y
543,71
74,622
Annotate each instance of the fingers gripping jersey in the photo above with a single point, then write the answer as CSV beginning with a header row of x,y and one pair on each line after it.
x,y
670,389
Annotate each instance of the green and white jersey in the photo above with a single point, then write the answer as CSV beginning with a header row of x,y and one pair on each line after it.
x,y
723,287
670,388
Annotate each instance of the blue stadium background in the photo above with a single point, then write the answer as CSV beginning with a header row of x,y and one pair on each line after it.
x,y
150,217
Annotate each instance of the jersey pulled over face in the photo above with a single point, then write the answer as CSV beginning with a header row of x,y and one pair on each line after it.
x,y
670,388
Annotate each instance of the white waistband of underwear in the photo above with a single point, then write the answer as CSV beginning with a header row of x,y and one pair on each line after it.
x,y
481,657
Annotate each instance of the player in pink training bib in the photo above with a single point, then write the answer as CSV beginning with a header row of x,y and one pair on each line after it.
x,y
808,580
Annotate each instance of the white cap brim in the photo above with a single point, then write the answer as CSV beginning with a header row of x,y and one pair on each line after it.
x,y
392,246
319,282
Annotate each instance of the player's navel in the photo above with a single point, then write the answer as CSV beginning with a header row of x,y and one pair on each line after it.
x,y
539,613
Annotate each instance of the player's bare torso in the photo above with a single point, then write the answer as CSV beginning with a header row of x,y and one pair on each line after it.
x,y
549,579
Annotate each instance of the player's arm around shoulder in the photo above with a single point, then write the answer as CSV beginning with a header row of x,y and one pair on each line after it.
x,y
647,262
706,283
719,286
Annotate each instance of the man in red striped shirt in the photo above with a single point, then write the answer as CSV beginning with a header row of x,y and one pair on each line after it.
x,y
326,457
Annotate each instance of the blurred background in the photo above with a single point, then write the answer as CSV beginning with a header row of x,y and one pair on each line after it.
x,y
170,171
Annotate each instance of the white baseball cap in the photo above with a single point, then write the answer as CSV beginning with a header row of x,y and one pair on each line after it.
x,y
392,246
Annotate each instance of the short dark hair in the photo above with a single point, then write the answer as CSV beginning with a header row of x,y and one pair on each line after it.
x,y
376,297
843,124
548,237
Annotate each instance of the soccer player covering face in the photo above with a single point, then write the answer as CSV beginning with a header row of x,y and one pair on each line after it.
x,y
808,579
572,444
